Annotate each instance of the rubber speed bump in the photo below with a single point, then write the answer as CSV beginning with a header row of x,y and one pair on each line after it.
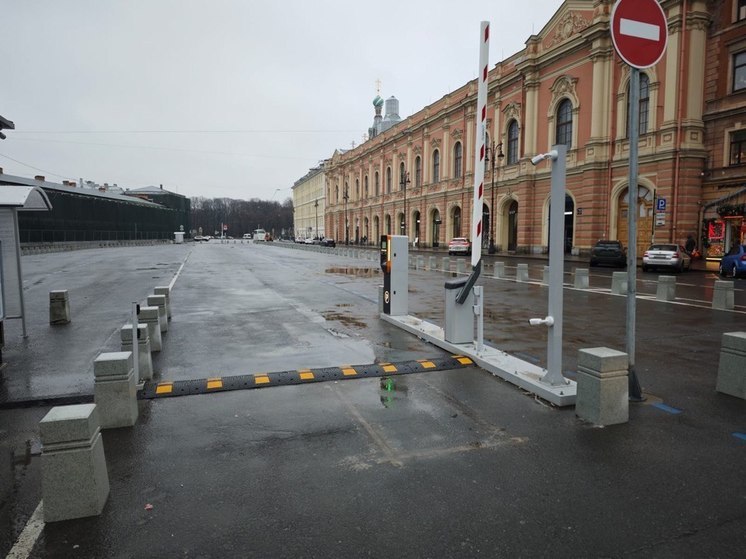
x,y
168,389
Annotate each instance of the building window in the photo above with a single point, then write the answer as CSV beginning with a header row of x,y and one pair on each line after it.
x,y
436,166
402,176
513,142
417,172
564,123
644,104
456,223
738,148
378,184
336,193
388,180
741,14
458,157
739,71
357,189
366,186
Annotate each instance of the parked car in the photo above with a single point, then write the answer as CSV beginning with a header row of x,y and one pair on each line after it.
x,y
459,245
308,241
328,243
670,256
200,238
609,252
733,264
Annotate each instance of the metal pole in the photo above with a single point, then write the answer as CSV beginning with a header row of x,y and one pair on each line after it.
x,y
135,342
556,268
491,249
478,310
635,393
20,273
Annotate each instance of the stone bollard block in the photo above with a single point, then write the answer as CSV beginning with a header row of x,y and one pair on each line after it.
x,y
150,316
166,292
722,296
432,263
461,265
446,264
160,302
581,278
603,390
420,262
499,270
545,276
619,283
59,307
115,389
732,367
521,273
144,359
74,480
666,290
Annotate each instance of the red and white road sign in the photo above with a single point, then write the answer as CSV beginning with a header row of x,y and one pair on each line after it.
x,y
639,31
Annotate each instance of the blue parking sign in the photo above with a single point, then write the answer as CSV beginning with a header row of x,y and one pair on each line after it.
x,y
661,207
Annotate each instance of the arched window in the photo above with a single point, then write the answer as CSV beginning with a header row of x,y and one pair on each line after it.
x,y
513,142
458,157
456,222
378,184
436,166
644,104
336,193
564,123
388,180
357,189
417,172
402,176
365,193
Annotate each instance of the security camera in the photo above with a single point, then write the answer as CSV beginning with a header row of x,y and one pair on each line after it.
x,y
536,159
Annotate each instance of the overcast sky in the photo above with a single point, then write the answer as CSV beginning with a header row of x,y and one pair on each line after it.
x,y
227,98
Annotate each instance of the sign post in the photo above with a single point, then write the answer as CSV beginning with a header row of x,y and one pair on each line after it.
x,y
639,31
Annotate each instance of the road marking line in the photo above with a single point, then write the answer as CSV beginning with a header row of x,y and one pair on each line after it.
x,y
741,436
668,409
27,539
261,378
213,383
639,29
164,388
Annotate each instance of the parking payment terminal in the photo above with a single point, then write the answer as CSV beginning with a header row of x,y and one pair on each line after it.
x,y
395,267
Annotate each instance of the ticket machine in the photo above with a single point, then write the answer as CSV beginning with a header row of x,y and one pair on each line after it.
x,y
395,267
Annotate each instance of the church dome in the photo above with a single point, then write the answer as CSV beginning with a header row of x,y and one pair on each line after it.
x,y
378,101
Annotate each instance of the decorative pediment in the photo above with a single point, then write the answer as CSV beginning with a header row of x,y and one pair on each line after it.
x,y
417,150
569,25
402,156
456,133
564,86
435,143
512,111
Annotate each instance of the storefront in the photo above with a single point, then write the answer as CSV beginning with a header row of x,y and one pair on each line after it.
x,y
724,231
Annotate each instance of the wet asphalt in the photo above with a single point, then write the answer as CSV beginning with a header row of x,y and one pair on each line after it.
x,y
447,464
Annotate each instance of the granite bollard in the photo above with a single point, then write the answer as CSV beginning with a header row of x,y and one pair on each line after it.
x,y
166,292
74,480
521,272
160,302
723,295
144,359
446,264
732,366
545,276
115,389
619,283
499,270
580,280
461,265
432,263
151,317
59,307
666,290
603,391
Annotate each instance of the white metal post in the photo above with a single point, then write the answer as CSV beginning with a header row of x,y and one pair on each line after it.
x,y
478,311
135,342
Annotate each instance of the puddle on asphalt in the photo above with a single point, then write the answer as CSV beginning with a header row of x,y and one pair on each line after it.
x,y
356,272
391,390
344,319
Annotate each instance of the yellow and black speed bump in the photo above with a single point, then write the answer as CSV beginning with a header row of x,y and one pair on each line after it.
x,y
165,389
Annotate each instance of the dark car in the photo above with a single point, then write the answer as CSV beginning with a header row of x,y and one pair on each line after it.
x,y
733,264
328,243
612,253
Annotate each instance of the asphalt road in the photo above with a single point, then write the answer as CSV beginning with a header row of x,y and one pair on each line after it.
x,y
453,463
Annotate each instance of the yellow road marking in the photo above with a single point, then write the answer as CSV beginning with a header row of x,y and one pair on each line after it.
x,y
463,360
348,371
388,368
306,375
214,383
261,379
426,364
164,388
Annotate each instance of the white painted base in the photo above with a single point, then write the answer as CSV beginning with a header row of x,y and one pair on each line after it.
x,y
509,368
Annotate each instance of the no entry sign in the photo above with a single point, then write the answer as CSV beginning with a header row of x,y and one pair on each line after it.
x,y
639,31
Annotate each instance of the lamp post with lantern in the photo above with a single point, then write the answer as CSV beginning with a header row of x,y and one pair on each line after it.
x,y
491,158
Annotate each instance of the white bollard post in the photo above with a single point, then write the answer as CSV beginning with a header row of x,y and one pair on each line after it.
x,y
432,263
499,270
521,273
545,276
144,359
619,283
151,317
166,292
666,290
446,264
74,480
461,266
59,307
581,278
603,391
732,366
160,302
723,295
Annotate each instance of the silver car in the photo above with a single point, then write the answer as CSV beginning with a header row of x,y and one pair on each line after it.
x,y
664,255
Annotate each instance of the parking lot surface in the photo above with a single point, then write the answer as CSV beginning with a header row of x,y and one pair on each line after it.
x,y
450,463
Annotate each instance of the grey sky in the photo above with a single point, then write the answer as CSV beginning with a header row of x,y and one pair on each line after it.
x,y
226,97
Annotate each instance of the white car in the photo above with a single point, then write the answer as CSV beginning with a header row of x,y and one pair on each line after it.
x,y
665,255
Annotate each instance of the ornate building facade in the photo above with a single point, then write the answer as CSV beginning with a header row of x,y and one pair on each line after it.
x,y
566,86
309,204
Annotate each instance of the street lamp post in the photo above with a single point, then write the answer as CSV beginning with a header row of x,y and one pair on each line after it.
x,y
316,208
491,158
404,182
347,229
